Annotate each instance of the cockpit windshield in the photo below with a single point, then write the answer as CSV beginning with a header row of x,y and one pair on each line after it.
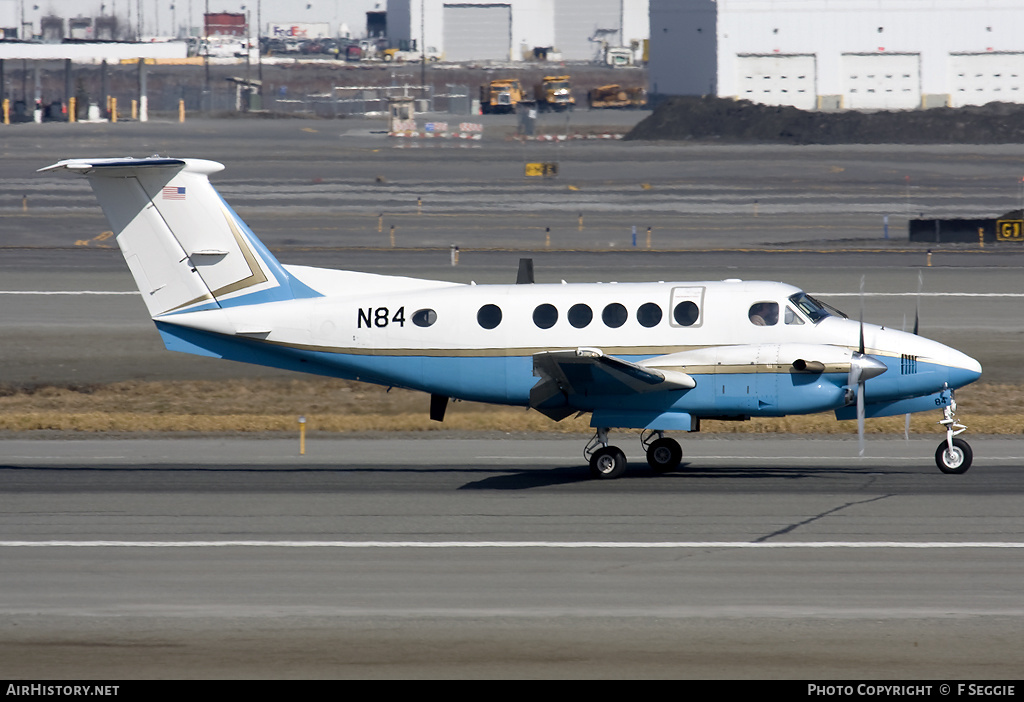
x,y
814,309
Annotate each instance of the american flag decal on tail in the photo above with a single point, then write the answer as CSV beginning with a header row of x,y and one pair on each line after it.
x,y
173,192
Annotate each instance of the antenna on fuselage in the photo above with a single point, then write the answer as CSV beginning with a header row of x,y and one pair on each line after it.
x,y
525,274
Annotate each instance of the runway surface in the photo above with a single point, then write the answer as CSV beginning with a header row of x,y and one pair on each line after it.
x,y
762,558
413,556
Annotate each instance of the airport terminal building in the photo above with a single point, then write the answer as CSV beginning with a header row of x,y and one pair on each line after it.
x,y
840,54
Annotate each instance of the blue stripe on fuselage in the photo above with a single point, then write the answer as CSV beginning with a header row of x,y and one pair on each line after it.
x,y
508,379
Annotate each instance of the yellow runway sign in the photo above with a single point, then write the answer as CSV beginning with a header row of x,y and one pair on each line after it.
x,y
1010,230
542,169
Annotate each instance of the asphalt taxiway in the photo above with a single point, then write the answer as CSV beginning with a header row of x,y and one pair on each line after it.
x,y
383,557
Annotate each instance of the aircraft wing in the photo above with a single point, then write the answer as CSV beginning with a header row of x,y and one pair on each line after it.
x,y
588,372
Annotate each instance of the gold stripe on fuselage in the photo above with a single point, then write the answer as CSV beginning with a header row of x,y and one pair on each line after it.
x,y
620,351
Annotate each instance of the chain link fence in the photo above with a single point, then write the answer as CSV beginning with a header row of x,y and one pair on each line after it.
x,y
339,101
315,91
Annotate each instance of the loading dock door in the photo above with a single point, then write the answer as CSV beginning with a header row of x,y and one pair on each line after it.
x,y
977,79
581,25
778,80
881,81
477,32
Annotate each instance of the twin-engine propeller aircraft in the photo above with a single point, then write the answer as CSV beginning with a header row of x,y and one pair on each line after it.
x,y
649,356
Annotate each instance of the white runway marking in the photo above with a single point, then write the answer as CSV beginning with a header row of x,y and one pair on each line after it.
x,y
69,292
818,294
520,544
914,294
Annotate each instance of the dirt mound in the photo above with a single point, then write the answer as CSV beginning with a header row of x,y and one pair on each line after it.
x,y
740,121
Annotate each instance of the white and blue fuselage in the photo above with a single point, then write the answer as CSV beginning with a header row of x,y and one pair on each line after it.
x,y
656,356
479,342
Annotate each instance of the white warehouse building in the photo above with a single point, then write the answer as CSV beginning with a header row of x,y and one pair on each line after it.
x,y
511,30
840,54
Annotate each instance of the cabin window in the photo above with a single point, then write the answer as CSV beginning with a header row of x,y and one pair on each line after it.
x,y
687,306
614,315
686,313
814,309
649,314
545,316
792,317
764,314
580,315
424,318
489,316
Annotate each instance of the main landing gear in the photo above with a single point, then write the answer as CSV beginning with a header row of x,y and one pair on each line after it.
x,y
608,462
953,455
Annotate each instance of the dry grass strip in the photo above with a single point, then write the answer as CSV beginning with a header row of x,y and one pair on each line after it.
x,y
273,405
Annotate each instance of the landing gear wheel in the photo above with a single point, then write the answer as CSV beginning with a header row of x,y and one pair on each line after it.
x,y
664,455
956,461
608,463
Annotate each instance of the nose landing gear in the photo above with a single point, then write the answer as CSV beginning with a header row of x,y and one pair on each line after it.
x,y
953,455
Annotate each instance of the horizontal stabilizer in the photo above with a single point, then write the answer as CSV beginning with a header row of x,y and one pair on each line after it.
x,y
119,166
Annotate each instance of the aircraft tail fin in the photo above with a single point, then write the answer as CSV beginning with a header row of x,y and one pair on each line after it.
x,y
187,249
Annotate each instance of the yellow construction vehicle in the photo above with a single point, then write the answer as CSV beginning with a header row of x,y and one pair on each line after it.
x,y
616,96
500,95
410,55
554,93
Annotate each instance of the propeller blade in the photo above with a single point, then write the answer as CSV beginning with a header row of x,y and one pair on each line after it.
x,y
853,379
861,348
862,368
917,307
860,418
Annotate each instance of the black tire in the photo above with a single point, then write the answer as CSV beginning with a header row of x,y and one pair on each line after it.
x,y
956,462
608,463
664,455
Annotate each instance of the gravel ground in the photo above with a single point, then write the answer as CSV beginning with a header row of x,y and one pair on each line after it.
x,y
741,121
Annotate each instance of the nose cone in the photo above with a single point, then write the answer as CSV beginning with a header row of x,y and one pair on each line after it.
x,y
963,369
